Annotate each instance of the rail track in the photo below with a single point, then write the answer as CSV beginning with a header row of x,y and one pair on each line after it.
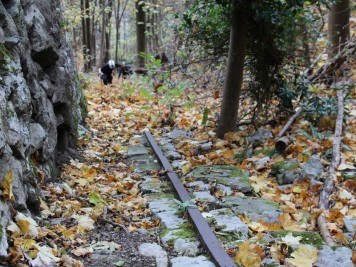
x,y
208,238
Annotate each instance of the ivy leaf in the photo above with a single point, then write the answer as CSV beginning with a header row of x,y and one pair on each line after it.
x,y
119,263
96,200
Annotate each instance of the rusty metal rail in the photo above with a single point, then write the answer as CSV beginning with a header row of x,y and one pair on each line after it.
x,y
212,244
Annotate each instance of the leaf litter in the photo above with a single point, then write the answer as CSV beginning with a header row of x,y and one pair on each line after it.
x,y
97,204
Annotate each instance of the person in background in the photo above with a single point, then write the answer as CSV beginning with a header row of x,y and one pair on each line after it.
x,y
106,72
124,70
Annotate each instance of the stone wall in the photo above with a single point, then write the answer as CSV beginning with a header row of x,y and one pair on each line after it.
x,y
40,102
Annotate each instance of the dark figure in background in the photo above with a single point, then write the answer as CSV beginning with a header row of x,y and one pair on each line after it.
x,y
124,70
106,72
163,57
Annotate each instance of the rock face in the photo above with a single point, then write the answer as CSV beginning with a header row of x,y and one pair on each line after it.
x,y
40,101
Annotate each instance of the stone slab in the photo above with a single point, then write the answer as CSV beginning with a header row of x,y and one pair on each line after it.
x,y
255,209
200,261
230,176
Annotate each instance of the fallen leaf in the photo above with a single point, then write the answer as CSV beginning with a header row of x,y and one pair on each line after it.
x,y
304,256
96,200
70,262
81,251
344,194
111,246
291,240
249,254
26,224
287,222
6,185
84,221
45,257
345,166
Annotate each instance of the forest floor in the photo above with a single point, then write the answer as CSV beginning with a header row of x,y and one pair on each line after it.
x,y
96,214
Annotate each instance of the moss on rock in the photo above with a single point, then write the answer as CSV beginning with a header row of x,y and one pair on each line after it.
x,y
308,238
285,165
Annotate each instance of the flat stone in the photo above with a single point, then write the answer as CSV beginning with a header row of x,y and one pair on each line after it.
x,y
186,247
178,164
262,162
144,162
172,155
350,224
178,133
267,262
154,185
198,186
313,168
162,205
222,174
329,257
260,136
255,209
154,250
203,196
170,220
137,150
200,261
224,189
226,221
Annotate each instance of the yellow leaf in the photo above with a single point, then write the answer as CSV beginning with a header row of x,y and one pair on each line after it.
x,y
249,255
14,229
297,189
186,168
27,225
7,186
304,256
278,251
228,153
287,222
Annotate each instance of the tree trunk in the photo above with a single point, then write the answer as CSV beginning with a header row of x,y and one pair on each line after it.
x,y
84,35
338,26
102,42
93,35
117,39
108,32
235,67
88,33
140,32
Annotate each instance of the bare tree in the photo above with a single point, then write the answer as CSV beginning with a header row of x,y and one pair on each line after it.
x,y
235,67
338,26
140,33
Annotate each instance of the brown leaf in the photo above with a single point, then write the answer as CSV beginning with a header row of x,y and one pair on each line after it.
x,y
249,255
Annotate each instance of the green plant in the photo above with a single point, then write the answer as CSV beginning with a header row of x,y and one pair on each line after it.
x,y
314,133
183,206
4,52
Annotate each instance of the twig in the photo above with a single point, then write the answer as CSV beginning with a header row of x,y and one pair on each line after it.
x,y
296,115
289,123
324,202
114,224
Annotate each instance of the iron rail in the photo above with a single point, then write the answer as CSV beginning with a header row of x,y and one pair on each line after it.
x,y
211,243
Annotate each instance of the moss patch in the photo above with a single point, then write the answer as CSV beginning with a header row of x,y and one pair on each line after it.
x,y
309,238
349,175
267,152
161,196
283,166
